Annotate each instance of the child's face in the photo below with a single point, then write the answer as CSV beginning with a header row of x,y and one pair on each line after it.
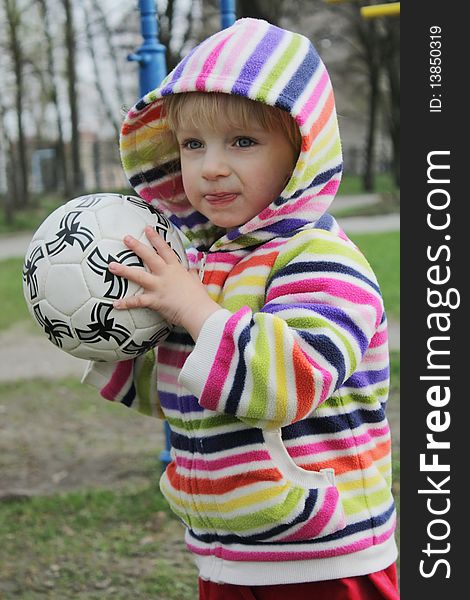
x,y
231,174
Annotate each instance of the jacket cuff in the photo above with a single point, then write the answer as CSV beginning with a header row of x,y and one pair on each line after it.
x,y
98,374
198,365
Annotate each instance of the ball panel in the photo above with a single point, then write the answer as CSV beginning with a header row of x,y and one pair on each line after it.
x,y
145,339
55,325
66,288
99,325
177,245
101,282
96,354
94,202
115,223
35,268
161,224
74,236
50,223
141,207
145,318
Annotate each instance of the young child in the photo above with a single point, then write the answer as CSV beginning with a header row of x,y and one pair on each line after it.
x,y
275,378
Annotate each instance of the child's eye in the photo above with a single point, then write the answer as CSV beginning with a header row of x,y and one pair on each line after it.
x,y
244,142
192,144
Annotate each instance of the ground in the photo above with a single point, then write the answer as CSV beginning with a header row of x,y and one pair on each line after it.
x,y
60,440
62,436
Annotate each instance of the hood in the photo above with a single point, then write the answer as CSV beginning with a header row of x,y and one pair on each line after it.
x,y
257,60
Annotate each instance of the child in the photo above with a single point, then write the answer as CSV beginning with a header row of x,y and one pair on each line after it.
x,y
275,377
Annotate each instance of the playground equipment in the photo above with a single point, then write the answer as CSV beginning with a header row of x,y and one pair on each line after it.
x,y
152,69
374,11
151,55
227,13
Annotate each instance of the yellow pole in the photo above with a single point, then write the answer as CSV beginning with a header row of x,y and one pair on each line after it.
x,y
373,11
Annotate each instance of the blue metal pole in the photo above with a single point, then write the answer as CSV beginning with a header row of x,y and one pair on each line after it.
x,y
227,13
152,69
151,55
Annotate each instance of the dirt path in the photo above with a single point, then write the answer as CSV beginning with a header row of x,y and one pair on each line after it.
x,y
58,436
26,354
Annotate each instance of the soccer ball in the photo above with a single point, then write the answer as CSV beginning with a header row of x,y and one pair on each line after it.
x,y
69,289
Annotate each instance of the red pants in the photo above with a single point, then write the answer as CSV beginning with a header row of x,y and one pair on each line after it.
x,y
382,585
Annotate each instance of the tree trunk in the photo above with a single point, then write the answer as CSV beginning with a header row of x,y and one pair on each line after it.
x,y
369,40
113,52
51,69
368,178
392,69
9,200
77,175
12,197
165,28
104,98
21,171
269,10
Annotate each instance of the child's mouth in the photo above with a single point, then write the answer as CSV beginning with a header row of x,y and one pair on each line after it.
x,y
220,199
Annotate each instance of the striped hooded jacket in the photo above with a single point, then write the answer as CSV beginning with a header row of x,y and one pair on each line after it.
x,y
281,465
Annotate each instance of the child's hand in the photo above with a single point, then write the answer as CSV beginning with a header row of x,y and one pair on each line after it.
x,y
168,288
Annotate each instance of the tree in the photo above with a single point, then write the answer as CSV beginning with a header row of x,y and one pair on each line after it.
x,y
53,92
391,63
14,44
113,51
367,34
71,75
6,146
178,25
105,103
381,39
375,46
269,10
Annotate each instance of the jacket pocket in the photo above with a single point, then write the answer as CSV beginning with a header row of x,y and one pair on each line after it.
x,y
312,506
291,504
266,499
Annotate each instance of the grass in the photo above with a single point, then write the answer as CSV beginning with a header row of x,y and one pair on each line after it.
x,y
94,544
382,250
30,218
106,533
352,184
14,308
64,428
388,203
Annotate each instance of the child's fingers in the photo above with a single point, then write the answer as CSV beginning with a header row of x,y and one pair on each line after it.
x,y
151,258
136,301
136,274
163,249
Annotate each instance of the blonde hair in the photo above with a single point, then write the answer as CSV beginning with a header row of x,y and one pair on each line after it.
x,y
209,108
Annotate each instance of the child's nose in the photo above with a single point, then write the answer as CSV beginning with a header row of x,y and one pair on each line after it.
x,y
215,165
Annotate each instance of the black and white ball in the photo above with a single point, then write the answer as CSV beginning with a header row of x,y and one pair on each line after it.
x,y
69,289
